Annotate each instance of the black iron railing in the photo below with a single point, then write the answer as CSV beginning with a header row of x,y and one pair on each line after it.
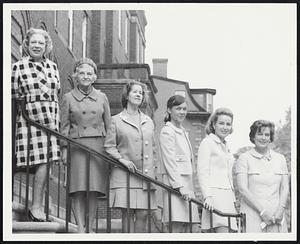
x,y
240,217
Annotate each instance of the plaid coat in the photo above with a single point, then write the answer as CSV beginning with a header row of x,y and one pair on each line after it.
x,y
38,83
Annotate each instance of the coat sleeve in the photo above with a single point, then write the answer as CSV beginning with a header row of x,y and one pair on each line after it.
x,y
106,114
203,168
110,143
167,145
65,119
15,79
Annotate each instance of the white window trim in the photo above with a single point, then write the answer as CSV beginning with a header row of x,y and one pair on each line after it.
x,y
120,25
126,34
84,35
70,40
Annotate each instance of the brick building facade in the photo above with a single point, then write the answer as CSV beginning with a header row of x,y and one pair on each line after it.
x,y
115,40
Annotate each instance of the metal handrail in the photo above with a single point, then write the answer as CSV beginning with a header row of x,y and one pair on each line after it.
x,y
115,162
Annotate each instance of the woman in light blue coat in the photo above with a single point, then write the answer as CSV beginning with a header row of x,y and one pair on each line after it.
x,y
130,140
177,158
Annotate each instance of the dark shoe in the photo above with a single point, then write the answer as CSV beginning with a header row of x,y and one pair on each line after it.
x,y
31,218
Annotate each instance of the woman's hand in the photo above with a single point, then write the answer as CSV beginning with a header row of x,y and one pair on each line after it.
x,y
208,203
278,215
185,193
129,164
267,217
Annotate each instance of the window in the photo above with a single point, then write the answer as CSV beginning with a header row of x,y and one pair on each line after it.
x,y
70,39
209,102
55,18
180,92
84,35
120,25
137,47
126,34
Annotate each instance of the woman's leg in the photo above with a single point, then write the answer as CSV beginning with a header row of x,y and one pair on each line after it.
x,y
78,207
222,229
125,220
38,194
141,221
92,209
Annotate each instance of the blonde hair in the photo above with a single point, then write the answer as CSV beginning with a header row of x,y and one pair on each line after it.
x,y
214,117
32,31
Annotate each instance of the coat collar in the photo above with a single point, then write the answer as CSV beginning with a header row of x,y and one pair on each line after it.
x,y
176,129
80,96
216,138
124,116
256,154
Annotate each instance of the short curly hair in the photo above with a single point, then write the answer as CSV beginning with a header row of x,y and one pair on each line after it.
x,y
257,127
32,31
214,117
127,88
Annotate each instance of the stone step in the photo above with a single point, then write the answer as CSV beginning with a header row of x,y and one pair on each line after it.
x,y
37,227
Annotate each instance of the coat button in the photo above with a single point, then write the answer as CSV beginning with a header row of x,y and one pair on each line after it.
x,y
137,139
84,127
146,143
83,112
146,156
93,112
146,171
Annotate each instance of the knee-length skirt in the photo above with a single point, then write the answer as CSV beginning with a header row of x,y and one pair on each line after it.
x,y
78,167
223,200
180,207
45,113
138,198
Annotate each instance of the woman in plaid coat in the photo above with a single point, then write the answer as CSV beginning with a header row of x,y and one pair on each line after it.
x,y
36,79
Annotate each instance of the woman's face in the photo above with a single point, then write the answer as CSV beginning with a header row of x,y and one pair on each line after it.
x,y
178,113
262,138
85,75
223,126
37,46
135,96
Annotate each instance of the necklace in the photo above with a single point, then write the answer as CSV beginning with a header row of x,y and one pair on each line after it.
x,y
134,113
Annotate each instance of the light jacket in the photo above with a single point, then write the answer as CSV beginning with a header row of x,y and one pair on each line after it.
x,y
176,159
85,116
123,140
214,165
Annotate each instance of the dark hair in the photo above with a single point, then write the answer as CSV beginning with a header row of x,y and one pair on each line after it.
x,y
257,127
127,88
173,101
214,117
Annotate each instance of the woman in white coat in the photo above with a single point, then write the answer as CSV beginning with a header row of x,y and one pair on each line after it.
x,y
214,169
177,157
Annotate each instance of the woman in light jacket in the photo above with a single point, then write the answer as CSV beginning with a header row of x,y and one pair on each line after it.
x,y
85,117
214,169
130,139
177,158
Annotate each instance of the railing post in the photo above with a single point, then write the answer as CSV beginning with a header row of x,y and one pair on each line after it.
x,y
211,220
87,205
170,211
108,210
58,189
229,224
97,213
128,201
27,168
47,177
20,188
190,217
149,207
68,200
244,223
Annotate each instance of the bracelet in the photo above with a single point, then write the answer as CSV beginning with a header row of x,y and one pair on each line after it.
x,y
282,205
262,212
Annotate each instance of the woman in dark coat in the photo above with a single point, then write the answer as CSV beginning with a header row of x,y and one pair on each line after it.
x,y
85,117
